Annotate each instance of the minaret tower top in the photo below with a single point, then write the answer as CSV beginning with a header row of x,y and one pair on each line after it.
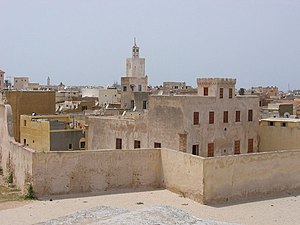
x,y
135,50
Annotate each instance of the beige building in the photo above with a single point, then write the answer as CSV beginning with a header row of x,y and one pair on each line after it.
x,y
27,102
214,122
21,83
1,80
134,94
105,95
51,133
279,134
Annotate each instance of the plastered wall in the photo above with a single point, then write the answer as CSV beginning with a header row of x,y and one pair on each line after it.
x,y
242,176
183,173
90,171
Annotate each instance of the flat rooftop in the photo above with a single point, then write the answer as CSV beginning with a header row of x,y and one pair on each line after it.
x,y
282,209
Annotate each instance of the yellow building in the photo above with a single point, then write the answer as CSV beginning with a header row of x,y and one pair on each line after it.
x,y
279,134
27,102
51,133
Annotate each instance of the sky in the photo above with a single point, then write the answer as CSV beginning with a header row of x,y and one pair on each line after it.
x,y
86,42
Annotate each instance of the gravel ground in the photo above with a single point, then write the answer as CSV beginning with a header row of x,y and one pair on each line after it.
x,y
154,215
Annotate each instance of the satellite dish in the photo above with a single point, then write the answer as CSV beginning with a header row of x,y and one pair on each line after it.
x,y
286,115
134,109
106,107
124,113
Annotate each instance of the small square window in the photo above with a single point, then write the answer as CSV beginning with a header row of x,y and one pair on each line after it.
x,y
157,145
283,124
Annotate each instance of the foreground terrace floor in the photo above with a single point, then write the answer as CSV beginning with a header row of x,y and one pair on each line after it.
x,y
284,209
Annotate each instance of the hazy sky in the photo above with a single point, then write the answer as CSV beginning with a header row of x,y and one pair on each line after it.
x,y
87,41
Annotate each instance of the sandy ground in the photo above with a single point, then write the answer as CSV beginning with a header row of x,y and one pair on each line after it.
x,y
284,209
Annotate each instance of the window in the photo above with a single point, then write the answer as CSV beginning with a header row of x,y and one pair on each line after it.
x,y
118,143
205,91
84,107
124,88
70,146
237,116
250,115
24,141
196,118
82,145
271,123
24,123
225,117
157,145
221,92
210,150
250,145
283,124
230,92
140,87
137,144
195,150
211,119
144,104
132,104
237,147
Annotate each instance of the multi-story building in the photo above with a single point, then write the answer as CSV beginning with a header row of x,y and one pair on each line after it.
x,y
213,122
51,133
27,102
21,83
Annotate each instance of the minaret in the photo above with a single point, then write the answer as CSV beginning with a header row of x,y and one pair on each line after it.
x,y
134,81
1,80
48,81
135,66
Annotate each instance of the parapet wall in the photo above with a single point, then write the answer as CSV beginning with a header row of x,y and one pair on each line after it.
x,y
94,171
243,176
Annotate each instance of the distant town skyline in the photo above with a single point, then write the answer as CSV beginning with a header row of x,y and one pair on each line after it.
x,y
87,42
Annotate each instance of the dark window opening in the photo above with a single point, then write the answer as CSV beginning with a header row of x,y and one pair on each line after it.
x,y
230,92
237,116
205,91
225,117
196,118
82,145
118,143
125,88
250,145
211,118
237,147
210,150
250,115
70,146
221,92
157,145
271,124
195,150
144,104
137,144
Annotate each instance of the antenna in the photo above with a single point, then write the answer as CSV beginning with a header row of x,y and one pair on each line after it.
x,y
134,40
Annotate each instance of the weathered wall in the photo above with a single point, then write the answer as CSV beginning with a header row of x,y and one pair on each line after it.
x,y
242,176
26,102
273,138
14,158
89,171
183,173
103,131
